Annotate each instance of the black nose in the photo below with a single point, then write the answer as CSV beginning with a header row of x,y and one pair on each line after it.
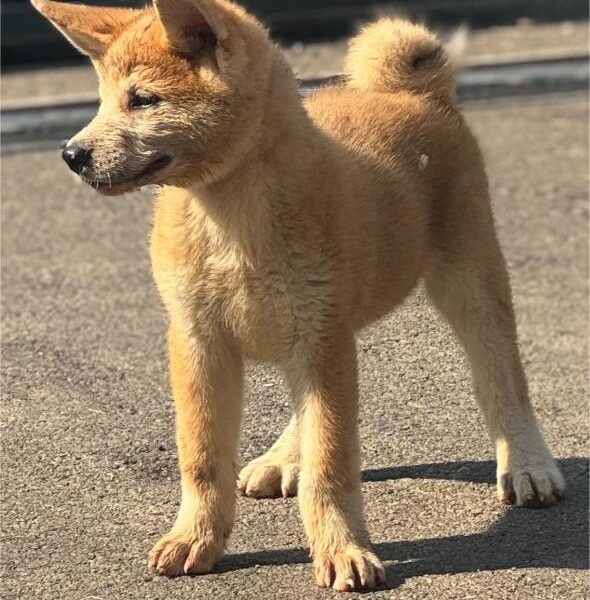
x,y
77,157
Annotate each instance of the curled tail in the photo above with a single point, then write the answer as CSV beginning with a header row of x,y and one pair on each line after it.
x,y
394,55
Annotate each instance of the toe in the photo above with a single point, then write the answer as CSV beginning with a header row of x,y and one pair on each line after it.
x,y
172,558
289,481
506,489
201,558
324,571
154,556
525,494
345,580
264,482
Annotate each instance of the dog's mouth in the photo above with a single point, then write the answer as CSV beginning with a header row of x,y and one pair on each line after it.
x,y
155,165
144,177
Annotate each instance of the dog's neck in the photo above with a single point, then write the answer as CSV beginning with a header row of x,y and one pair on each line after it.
x,y
238,203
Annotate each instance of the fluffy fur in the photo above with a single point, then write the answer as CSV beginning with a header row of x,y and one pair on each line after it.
x,y
281,228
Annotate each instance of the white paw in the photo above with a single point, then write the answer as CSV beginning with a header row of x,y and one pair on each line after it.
x,y
348,568
531,486
183,552
262,479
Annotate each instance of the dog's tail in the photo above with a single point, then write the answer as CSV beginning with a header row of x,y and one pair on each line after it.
x,y
393,55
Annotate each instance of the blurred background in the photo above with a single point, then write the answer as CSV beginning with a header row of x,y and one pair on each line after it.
x,y
28,39
515,47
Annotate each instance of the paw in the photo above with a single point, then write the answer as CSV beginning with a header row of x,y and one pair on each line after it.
x,y
531,486
179,553
349,569
262,479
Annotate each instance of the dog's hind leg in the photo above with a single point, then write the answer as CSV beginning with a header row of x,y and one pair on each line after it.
x,y
468,282
276,472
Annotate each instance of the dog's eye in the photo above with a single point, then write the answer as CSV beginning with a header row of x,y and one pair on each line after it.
x,y
143,99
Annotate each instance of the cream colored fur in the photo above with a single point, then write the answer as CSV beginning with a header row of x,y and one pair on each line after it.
x,y
281,229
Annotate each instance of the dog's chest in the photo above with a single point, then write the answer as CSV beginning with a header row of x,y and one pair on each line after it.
x,y
267,301
253,304
216,292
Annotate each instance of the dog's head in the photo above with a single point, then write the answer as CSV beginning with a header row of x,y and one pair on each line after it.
x,y
182,87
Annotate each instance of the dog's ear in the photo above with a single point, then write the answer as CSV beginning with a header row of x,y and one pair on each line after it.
x,y
192,26
91,29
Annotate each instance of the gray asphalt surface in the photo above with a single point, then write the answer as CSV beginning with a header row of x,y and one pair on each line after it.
x,y
89,476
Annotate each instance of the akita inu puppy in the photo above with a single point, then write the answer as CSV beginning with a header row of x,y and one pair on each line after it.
x,y
284,226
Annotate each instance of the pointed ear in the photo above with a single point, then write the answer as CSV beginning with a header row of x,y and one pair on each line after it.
x,y
192,25
91,29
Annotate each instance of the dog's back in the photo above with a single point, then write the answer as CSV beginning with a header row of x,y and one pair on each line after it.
x,y
406,151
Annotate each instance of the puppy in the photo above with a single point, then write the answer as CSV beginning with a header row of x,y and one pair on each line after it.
x,y
281,228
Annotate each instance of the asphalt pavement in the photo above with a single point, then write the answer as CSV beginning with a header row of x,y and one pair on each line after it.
x,y
89,478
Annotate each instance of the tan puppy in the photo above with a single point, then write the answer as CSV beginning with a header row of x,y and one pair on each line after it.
x,y
281,229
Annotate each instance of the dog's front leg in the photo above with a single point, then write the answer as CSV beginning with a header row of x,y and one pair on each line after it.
x,y
207,388
326,388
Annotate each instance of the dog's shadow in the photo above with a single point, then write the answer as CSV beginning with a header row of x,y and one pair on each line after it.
x,y
555,537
